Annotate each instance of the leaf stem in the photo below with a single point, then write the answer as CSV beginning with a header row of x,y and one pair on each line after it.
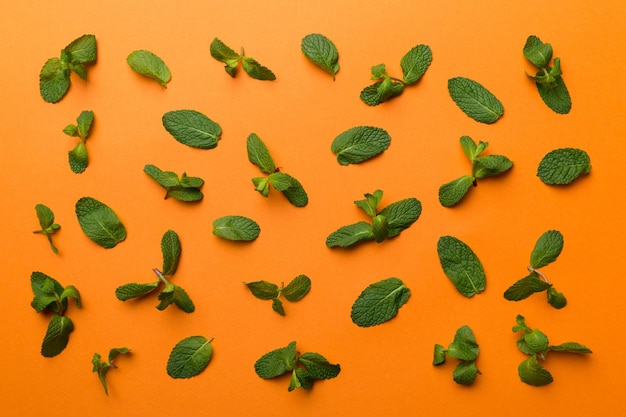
x,y
538,272
160,275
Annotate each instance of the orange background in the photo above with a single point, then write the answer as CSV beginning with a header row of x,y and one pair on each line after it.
x,y
385,370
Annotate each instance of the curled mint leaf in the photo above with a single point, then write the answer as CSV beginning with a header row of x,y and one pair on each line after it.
x,y
475,100
401,215
321,51
99,222
102,368
189,357
465,373
556,299
562,166
263,290
379,302
259,155
150,65
47,224
537,52
225,54
186,189
359,144
555,95
236,228
78,158
533,373
439,354
192,128
461,266
570,347
464,346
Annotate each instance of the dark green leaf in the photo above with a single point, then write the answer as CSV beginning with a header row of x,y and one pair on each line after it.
x,y
359,144
380,228
54,80
277,306
475,100
571,347
381,91
189,357
148,64
465,373
297,288
236,228
296,194
318,366
322,52
401,215
57,336
464,346
532,373
280,181
537,52
84,122
439,355
556,299
44,215
192,128
379,302
185,194
415,63
525,287
263,289
555,95
182,300
349,235
47,291
171,249
82,49
259,155
277,362
256,70
71,291
133,290
490,165
452,192
535,342
562,166
547,248
99,222
461,265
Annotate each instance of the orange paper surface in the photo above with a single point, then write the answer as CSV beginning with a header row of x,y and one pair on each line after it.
x,y
385,370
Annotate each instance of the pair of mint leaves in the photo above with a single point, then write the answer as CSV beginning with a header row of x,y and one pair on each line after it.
x,y
78,157
171,293
232,59
47,224
295,290
183,188
305,368
386,223
465,349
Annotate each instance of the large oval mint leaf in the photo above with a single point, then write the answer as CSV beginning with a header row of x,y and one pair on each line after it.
x,y
555,95
322,52
454,191
54,81
532,373
349,235
297,288
547,248
236,228
150,65
359,144
99,222
562,166
401,215
415,63
276,362
57,336
259,155
192,128
461,265
170,248
379,302
475,100
189,357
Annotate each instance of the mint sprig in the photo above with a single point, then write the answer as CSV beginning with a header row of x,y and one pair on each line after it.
x,y
231,59
149,65
322,52
47,224
170,294
535,343
102,368
295,290
547,248
465,349
305,368
414,64
183,188
54,77
453,192
385,223
78,157
52,297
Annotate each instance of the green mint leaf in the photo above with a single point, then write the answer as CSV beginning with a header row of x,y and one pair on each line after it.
x,y
461,266
318,366
300,378
115,352
99,222
189,357
277,362
47,293
562,166
464,346
547,248
78,158
571,347
102,368
469,147
82,49
349,235
71,130
186,194
537,52
263,290
370,203
191,182
57,336
192,128
54,80
475,100
150,65
297,288
525,287
556,299
521,324
380,227
280,181
256,70
71,291
236,228
439,355
465,373
379,302
451,193
171,249
359,144
224,54
259,155
415,63
381,91
532,373
153,171
184,189
295,193
44,215
277,306
401,215
177,295
133,290
490,165
84,122
555,95
79,69
321,51
536,341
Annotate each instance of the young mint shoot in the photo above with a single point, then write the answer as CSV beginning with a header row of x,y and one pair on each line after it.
x,y
102,368
47,224
295,290
231,59
78,157
183,188
465,349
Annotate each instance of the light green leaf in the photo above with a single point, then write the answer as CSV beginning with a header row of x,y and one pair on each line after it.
x,y
99,222
381,91
415,63
490,165
349,235
537,52
555,95
223,53
370,203
192,128
454,191
280,181
189,357
171,249
461,265
318,366
295,193
54,80
153,171
236,228
78,158
475,100
177,295
259,155
44,215
277,362
150,65
439,355
71,291
401,215
464,346
297,288
263,289
115,352
525,287
57,336
469,147
562,166
359,144
256,70
465,373
571,347
547,248
82,49
133,290
556,299
277,306
191,182
379,302
535,341
380,228
322,52
532,373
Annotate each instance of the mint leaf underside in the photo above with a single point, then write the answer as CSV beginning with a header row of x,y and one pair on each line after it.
x,y
359,144
99,222
461,265
322,52
150,65
192,128
236,228
562,166
379,302
189,357
475,100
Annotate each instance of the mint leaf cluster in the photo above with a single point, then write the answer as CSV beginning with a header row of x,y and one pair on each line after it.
x,y
47,224
99,222
322,52
385,223
150,65
294,291
482,166
535,343
463,348
102,368
461,265
305,368
414,64
475,100
226,55
548,79
78,157
562,166
547,248
170,294
54,77
379,302
189,357
52,297
181,188
260,156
